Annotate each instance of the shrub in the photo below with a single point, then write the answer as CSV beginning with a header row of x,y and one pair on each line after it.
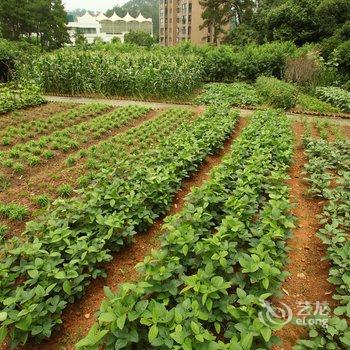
x,y
335,96
277,93
303,70
247,63
139,37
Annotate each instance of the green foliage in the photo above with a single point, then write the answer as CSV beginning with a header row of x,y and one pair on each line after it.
x,y
328,175
335,96
277,93
124,199
25,96
3,231
309,103
80,40
70,138
235,94
203,288
65,190
43,200
141,74
45,18
13,211
226,63
335,336
139,37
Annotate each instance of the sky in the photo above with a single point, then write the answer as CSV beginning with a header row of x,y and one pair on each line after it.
x,y
95,5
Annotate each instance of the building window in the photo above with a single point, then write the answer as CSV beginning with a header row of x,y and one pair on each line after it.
x,y
86,30
190,7
189,30
189,18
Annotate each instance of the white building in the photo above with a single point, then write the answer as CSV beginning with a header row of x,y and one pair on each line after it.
x,y
108,28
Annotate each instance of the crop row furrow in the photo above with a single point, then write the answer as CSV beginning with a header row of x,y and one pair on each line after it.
x,y
328,174
83,166
220,257
57,121
32,153
53,267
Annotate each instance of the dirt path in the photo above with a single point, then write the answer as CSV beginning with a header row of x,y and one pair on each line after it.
x,y
80,316
115,102
308,273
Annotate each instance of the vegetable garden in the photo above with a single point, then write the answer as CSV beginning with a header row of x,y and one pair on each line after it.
x,y
80,184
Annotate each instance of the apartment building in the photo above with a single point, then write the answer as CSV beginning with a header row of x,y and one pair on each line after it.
x,y
180,20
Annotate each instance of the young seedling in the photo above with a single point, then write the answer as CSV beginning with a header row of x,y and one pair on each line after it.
x,y
43,200
65,190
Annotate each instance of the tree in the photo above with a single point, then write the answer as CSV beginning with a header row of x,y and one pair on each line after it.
x,y
300,21
218,13
139,37
45,19
80,39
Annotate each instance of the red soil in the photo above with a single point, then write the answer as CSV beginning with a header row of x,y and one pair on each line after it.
x,y
308,273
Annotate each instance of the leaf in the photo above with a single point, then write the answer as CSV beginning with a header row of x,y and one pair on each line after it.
x,y
247,341
33,273
3,316
60,275
152,333
195,327
107,317
93,338
121,321
3,333
109,294
67,287
266,333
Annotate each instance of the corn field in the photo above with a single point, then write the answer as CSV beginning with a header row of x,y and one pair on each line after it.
x,y
138,74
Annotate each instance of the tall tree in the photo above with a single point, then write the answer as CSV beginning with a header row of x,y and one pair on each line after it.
x,y
46,19
300,21
218,13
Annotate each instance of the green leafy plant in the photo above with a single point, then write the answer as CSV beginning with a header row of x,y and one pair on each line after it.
x,y
335,96
220,256
277,93
43,200
65,190
13,211
118,206
235,94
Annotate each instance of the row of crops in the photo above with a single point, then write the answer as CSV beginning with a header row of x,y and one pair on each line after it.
x,y
84,165
54,262
328,172
26,96
31,153
220,257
